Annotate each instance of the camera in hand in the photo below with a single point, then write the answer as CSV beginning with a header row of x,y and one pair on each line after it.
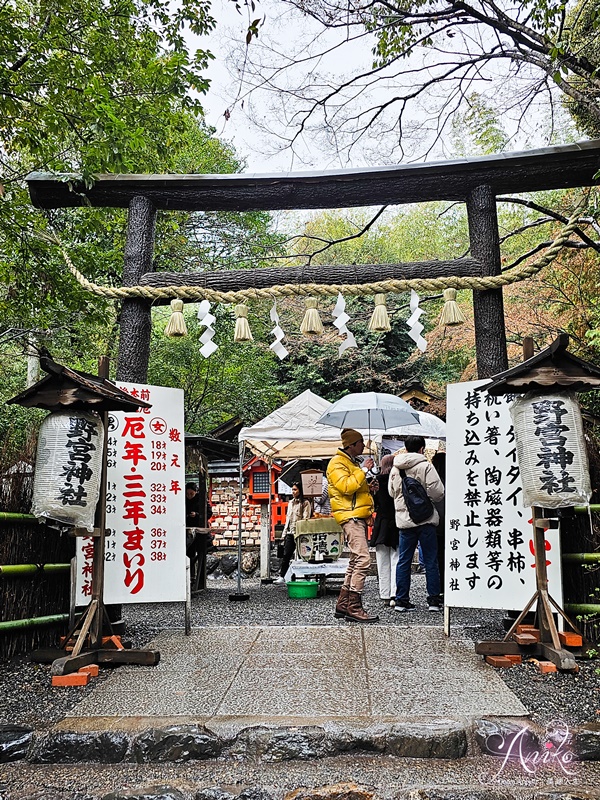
x,y
372,473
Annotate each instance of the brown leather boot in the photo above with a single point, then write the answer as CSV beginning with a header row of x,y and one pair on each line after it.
x,y
355,611
341,607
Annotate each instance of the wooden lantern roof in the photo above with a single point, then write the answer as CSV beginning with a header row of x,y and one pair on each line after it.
x,y
69,389
557,167
551,369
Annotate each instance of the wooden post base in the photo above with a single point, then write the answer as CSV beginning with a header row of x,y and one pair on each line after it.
x,y
64,664
564,659
68,664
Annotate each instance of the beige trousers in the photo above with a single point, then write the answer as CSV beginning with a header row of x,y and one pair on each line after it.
x,y
355,531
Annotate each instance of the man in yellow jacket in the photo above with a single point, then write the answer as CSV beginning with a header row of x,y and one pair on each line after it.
x,y
352,508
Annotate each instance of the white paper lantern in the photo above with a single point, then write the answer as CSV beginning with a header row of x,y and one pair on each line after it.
x,y
68,468
551,450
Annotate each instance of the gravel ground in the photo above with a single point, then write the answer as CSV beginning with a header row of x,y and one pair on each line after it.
x,y
28,698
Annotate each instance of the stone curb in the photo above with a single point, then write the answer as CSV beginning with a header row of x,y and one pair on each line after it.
x,y
180,743
446,739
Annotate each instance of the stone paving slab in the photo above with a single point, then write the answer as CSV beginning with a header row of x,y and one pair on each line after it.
x,y
276,675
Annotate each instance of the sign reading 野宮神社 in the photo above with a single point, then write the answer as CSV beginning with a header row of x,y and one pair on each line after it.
x,y
489,559
144,559
551,448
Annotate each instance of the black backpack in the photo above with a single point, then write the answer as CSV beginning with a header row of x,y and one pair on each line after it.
x,y
417,501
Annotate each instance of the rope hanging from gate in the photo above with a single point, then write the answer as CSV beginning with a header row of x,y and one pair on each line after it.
x,y
197,293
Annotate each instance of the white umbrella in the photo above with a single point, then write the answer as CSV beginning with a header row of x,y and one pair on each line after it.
x,y
369,410
429,426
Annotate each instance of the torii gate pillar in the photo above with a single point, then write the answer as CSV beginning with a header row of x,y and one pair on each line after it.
x,y
488,305
135,317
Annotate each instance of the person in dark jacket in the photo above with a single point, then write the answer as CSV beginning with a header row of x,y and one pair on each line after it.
x,y
384,537
298,508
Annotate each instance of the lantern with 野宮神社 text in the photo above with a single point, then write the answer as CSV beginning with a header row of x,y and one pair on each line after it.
x,y
68,468
551,450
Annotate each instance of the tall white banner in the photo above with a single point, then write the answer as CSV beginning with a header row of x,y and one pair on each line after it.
x,y
144,557
489,537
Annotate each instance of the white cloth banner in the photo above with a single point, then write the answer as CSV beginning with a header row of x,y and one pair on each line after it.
x,y
489,537
144,559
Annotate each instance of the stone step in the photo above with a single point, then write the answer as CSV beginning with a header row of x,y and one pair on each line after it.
x,y
144,740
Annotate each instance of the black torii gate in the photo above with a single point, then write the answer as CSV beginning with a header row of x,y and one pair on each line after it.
x,y
475,181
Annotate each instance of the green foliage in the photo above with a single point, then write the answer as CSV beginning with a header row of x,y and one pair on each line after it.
x,y
479,130
239,379
16,423
86,86
584,22
378,364
90,86
94,86
409,233
381,362
444,368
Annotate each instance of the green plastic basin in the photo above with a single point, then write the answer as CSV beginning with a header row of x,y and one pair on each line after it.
x,y
302,589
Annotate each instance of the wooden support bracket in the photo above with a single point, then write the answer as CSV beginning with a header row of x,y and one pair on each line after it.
x,y
68,664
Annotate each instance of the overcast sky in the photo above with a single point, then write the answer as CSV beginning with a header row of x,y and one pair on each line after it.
x,y
286,31
260,123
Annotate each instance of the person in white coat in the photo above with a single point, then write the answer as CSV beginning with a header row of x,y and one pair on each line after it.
x,y
415,465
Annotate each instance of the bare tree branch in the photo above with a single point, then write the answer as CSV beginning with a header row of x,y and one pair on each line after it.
x,y
428,57
554,214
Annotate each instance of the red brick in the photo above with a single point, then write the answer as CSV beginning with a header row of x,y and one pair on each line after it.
x,y
74,679
91,669
546,666
514,659
498,661
112,643
525,639
530,630
570,639
526,628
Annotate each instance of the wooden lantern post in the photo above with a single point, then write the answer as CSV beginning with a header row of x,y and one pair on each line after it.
x,y
67,389
553,369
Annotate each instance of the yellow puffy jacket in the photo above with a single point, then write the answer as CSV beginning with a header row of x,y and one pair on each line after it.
x,y
348,489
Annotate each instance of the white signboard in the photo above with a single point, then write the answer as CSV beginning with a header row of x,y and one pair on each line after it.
x,y
489,537
144,557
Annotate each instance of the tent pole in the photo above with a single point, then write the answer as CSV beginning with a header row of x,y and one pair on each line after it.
x,y
238,594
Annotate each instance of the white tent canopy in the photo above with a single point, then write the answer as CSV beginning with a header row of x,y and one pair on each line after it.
x,y
292,431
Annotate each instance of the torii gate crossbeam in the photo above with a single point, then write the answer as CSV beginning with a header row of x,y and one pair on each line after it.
x,y
474,181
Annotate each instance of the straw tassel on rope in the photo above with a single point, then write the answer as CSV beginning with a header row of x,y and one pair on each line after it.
x,y
312,321
451,313
380,320
242,326
176,325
